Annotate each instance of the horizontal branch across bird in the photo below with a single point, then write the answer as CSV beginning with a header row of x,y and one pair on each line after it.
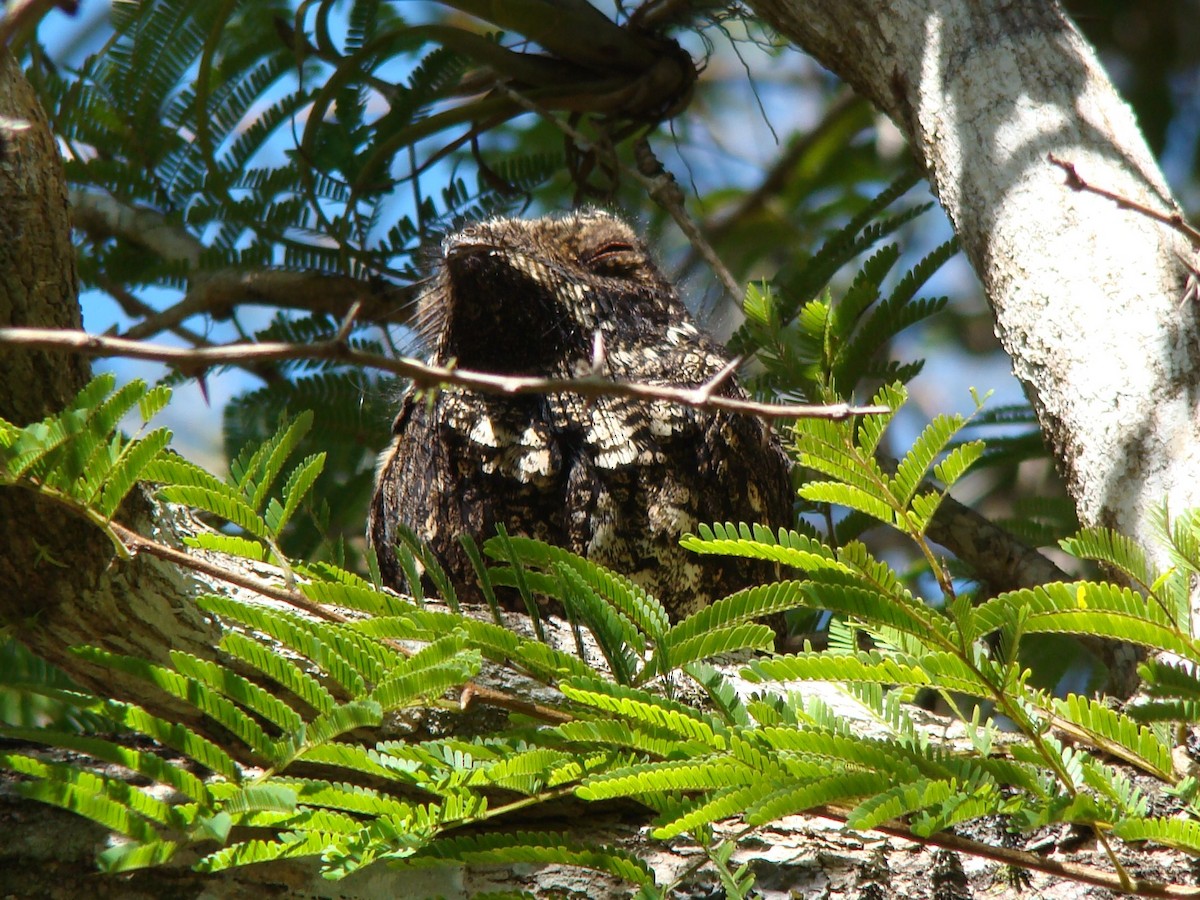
x,y
197,360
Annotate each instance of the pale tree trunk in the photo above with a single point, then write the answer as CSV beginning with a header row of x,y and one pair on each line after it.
x,y
1087,296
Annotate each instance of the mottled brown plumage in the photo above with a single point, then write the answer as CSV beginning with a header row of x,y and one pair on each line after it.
x,y
614,479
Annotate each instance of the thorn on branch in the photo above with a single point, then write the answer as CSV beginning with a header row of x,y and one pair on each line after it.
x,y
343,332
705,391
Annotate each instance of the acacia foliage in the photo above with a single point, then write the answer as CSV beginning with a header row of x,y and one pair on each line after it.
x,y
182,114
622,727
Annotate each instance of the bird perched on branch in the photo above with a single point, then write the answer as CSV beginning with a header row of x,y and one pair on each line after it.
x,y
616,479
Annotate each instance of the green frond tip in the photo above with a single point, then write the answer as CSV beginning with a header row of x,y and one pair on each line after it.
x,y
1119,734
872,668
790,548
131,856
1183,834
1107,546
744,606
657,714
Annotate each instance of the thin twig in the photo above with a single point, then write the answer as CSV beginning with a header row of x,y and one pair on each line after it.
x,y
219,293
136,543
194,361
1172,220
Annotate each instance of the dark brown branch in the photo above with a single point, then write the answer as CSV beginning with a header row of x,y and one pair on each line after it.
x,y
997,556
24,15
1033,862
197,360
220,293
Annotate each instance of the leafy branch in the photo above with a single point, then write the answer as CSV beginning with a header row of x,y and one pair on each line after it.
x,y
307,688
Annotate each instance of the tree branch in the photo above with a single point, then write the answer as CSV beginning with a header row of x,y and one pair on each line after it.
x,y
219,293
196,361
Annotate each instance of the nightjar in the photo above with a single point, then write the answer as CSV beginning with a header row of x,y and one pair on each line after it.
x,y
615,479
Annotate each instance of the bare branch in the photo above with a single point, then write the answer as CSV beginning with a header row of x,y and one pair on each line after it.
x,y
197,360
218,293
1024,859
103,216
1172,220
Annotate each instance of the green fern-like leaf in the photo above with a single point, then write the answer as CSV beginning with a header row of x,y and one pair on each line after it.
x,y
919,459
193,692
743,606
720,640
131,856
868,667
145,764
426,675
496,642
220,502
862,497
282,671
287,846
1112,549
713,807
1102,610
668,776
170,734
1183,834
242,691
1119,734
847,243
336,722
835,788
630,600
615,733
300,635
902,613
616,636
231,544
134,458
644,709
789,547
115,805
363,598
298,484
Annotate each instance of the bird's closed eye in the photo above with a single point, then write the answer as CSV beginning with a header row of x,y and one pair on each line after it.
x,y
613,252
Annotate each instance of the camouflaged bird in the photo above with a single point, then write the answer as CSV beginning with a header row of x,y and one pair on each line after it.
x,y
615,479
